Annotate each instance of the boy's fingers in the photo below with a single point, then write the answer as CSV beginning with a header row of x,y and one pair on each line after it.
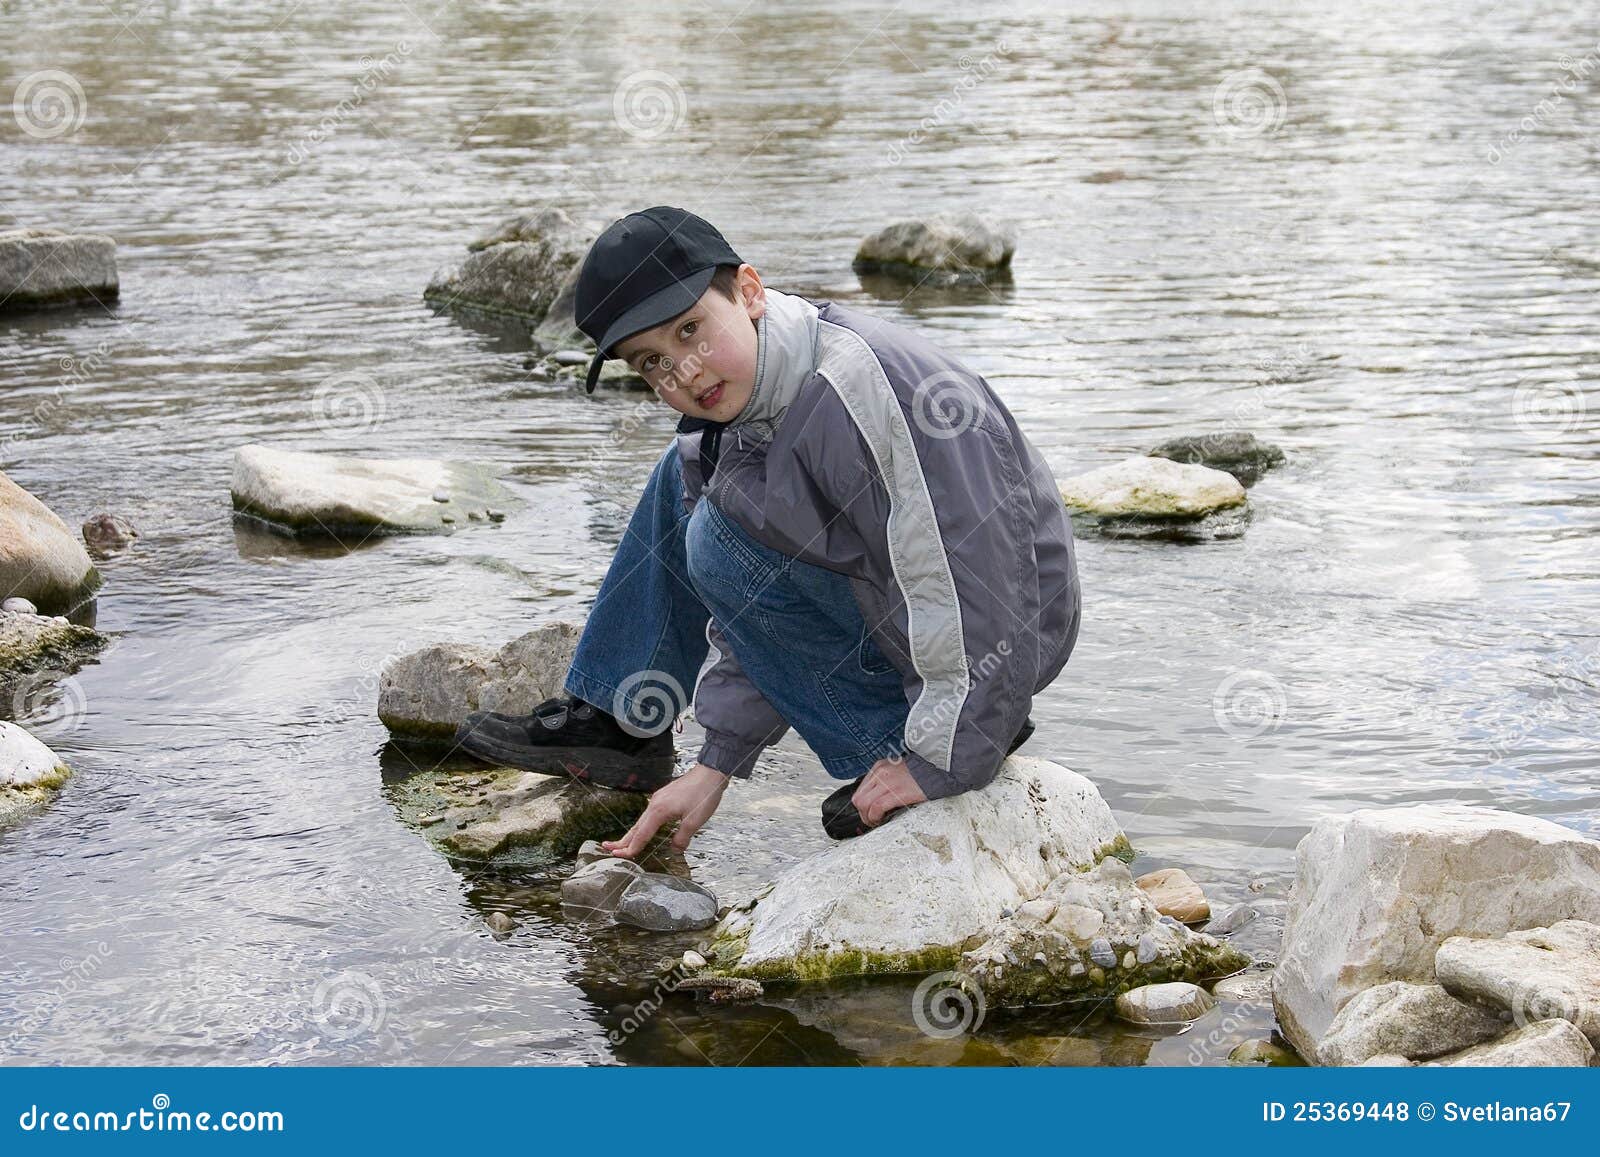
x,y
639,834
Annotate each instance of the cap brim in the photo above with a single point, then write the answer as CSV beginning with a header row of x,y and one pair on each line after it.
x,y
663,305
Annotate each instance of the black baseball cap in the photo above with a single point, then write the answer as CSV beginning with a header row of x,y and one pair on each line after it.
x,y
643,270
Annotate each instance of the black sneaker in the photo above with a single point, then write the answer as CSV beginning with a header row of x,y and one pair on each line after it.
x,y
842,821
566,736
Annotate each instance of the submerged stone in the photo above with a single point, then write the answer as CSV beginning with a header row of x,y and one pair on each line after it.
x,y
1152,497
1172,1002
508,816
658,902
1233,451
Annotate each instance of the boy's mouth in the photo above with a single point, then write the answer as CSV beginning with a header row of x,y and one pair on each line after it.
x,y
708,398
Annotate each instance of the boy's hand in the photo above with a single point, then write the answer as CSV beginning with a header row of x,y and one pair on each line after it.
x,y
887,786
691,799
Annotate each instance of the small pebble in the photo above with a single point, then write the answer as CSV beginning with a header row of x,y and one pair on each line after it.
x,y
570,358
495,515
441,496
446,518
500,922
1259,884
429,821
1128,959
1146,950
692,959
1101,952
474,516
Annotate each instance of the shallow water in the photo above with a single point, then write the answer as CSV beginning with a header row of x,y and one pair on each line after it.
x,y
1347,271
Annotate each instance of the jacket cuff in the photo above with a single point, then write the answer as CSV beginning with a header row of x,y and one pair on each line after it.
x,y
730,754
935,782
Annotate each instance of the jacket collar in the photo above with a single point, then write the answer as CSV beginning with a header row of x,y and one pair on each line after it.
x,y
786,357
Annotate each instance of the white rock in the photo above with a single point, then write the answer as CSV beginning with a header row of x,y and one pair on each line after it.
x,y
1378,890
329,495
1414,1020
30,773
1536,974
905,896
46,267
1146,487
1172,1003
1387,1061
425,694
40,559
1543,1044
19,606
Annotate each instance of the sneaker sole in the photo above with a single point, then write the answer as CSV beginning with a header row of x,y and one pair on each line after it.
x,y
594,765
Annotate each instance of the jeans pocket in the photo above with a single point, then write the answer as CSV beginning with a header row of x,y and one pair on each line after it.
x,y
871,659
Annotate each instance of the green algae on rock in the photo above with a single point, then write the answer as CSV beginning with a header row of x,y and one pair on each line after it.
x,y
35,642
506,816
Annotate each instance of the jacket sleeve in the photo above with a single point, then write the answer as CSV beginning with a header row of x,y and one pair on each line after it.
x,y
739,722
951,517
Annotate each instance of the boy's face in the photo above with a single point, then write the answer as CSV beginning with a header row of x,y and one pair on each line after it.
x,y
703,362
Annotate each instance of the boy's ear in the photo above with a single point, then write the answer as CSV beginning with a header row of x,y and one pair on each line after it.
x,y
751,291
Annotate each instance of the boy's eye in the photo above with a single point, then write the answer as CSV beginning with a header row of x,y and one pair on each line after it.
x,y
649,362
689,328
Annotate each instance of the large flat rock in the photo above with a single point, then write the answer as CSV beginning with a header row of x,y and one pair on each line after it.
x,y
40,559
910,895
1415,1021
46,267
1377,891
423,696
329,495
1534,974
1544,1044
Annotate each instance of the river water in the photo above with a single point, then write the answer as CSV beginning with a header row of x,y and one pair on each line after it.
x,y
1350,228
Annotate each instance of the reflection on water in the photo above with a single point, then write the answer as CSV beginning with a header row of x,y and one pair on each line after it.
x,y
1342,270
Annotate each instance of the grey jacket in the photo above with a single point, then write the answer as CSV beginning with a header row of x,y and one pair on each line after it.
x,y
867,450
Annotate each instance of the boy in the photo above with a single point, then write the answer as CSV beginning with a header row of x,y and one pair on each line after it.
x,y
849,523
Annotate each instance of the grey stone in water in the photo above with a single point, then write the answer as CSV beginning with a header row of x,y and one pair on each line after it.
x,y
19,606
1232,920
1234,451
46,267
104,534
598,886
571,358
1147,949
1252,986
941,250
1172,1003
589,852
517,269
1101,952
423,696
1533,974
500,924
1413,1020
658,902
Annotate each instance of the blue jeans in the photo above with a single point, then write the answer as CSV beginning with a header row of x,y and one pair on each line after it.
x,y
795,629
